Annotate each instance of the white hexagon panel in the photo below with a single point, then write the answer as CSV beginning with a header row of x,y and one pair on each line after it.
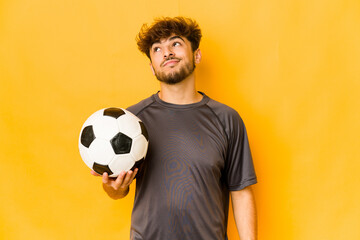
x,y
138,150
105,127
121,162
129,125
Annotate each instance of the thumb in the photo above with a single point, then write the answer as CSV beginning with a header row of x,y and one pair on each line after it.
x,y
94,173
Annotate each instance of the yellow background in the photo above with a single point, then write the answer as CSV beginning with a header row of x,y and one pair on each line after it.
x,y
290,68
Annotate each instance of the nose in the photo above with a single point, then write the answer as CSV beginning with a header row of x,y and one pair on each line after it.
x,y
168,53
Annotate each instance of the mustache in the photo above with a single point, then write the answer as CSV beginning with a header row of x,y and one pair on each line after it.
x,y
168,59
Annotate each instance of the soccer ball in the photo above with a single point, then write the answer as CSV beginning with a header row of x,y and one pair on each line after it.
x,y
112,140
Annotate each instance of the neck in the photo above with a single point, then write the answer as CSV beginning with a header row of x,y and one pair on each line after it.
x,y
180,93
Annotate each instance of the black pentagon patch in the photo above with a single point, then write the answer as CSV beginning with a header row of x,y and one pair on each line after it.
x,y
121,143
87,136
144,131
113,112
100,169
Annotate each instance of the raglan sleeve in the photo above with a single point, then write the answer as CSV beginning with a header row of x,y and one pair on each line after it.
x,y
239,166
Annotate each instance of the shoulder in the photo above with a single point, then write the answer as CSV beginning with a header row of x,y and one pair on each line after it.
x,y
229,118
137,108
224,112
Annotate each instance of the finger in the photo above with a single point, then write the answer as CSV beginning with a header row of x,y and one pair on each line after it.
x,y
119,180
127,178
94,173
134,174
105,178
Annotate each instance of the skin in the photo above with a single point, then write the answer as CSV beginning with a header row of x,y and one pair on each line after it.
x,y
244,210
169,57
175,64
183,92
118,187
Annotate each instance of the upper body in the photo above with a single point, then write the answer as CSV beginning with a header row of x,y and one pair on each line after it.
x,y
197,153
198,149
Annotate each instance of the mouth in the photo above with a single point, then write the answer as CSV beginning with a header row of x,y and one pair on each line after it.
x,y
170,62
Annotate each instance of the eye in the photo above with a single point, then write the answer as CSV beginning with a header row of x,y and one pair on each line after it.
x,y
176,44
156,49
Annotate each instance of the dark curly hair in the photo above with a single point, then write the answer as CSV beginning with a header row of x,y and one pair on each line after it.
x,y
164,28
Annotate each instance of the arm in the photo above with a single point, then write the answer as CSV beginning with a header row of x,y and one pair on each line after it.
x,y
244,208
118,187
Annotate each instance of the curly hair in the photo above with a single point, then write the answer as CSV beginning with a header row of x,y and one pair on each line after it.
x,y
164,28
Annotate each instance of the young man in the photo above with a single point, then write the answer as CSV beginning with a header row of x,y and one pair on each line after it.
x,y
198,149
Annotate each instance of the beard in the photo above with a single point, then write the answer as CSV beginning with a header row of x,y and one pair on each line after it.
x,y
176,76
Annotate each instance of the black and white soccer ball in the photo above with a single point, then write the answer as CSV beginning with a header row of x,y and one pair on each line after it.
x,y
113,140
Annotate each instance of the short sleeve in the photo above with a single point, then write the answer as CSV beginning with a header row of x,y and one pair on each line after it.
x,y
239,167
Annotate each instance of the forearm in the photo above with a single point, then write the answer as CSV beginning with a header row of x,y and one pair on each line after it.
x,y
116,194
244,208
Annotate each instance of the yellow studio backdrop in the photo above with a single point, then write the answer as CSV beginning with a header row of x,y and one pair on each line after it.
x,y
290,68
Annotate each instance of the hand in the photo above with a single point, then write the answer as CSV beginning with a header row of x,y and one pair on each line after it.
x,y
117,187
122,181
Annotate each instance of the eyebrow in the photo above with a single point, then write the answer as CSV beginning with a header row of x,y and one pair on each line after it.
x,y
174,37
170,39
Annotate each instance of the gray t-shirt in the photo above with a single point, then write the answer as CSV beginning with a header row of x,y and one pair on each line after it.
x,y
197,154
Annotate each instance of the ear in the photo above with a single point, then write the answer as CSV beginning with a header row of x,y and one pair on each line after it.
x,y
197,56
152,69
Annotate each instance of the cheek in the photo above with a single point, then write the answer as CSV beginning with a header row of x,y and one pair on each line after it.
x,y
189,58
155,62
189,54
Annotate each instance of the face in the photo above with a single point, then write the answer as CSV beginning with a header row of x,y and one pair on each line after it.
x,y
172,59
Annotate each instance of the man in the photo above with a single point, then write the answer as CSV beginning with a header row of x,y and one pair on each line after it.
x,y
198,149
